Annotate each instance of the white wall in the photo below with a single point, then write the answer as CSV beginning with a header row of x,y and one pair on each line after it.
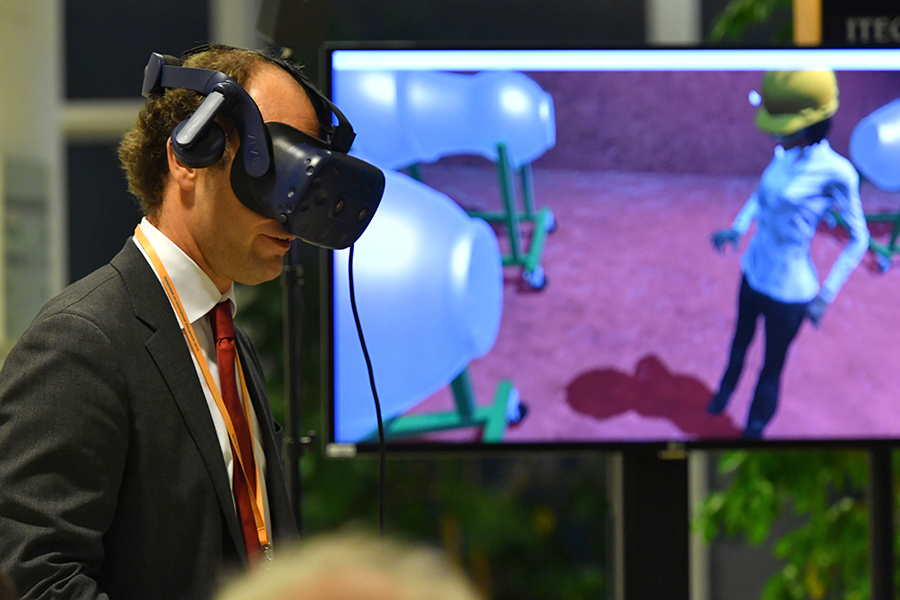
x,y
673,22
31,91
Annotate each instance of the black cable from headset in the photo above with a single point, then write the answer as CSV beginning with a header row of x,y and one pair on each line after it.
x,y
382,450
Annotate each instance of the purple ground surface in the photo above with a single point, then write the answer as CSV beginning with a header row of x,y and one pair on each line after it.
x,y
629,339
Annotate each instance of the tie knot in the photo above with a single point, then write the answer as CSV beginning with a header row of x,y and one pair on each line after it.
x,y
221,322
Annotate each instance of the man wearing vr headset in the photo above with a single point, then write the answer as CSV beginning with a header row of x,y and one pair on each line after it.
x,y
124,472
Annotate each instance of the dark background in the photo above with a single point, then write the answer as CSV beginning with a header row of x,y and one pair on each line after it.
x,y
108,43
836,12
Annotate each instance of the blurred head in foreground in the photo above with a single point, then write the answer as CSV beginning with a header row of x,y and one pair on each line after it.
x,y
354,566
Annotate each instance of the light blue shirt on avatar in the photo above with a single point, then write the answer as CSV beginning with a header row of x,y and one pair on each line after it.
x,y
796,190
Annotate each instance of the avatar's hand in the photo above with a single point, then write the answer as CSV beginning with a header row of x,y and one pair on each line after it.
x,y
723,237
815,309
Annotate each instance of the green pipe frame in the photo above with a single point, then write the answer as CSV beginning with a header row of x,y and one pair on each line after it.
x,y
884,252
492,417
512,218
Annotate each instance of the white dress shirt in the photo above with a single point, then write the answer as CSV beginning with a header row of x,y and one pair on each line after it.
x,y
198,295
798,187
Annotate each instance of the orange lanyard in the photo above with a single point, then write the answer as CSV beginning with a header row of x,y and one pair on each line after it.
x,y
194,345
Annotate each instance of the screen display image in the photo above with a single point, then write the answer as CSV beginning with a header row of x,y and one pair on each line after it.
x,y
544,271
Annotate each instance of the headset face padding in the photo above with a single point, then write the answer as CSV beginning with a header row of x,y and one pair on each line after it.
x,y
325,198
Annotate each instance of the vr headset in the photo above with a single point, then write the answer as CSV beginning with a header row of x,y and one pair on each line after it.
x,y
311,186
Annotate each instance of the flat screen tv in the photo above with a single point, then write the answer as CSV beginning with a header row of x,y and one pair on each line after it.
x,y
541,273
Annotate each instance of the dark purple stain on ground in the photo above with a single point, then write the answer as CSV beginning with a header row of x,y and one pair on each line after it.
x,y
652,391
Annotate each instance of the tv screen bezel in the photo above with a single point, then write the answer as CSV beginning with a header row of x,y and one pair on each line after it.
x,y
676,448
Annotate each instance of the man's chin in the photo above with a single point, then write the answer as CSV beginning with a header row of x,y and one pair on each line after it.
x,y
267,271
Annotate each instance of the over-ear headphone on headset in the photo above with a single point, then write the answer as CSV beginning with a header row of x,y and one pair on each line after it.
x,y
311,186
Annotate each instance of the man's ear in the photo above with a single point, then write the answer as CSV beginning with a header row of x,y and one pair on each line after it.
x,y
181,174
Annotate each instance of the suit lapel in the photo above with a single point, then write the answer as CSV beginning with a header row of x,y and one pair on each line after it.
x,y
167,347
280,510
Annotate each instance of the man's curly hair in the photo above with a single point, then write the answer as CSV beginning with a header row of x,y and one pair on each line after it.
x,y
143,149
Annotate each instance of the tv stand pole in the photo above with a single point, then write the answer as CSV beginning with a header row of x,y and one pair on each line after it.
x,y
655,524
881,522
292,280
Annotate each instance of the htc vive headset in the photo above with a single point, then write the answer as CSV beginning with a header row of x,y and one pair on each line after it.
x,y
311,186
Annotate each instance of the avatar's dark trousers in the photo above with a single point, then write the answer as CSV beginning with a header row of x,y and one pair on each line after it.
x,y
782,322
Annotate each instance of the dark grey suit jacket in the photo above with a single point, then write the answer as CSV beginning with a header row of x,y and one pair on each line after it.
x,y
112,481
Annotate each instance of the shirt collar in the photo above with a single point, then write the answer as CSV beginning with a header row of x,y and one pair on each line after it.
x,y
197,292
801,152
819,147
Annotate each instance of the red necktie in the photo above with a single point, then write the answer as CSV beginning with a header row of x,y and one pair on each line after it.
x,y
223,333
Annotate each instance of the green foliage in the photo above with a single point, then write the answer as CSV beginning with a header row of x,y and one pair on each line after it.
x,y
741,16
259,314
492,516
827,554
